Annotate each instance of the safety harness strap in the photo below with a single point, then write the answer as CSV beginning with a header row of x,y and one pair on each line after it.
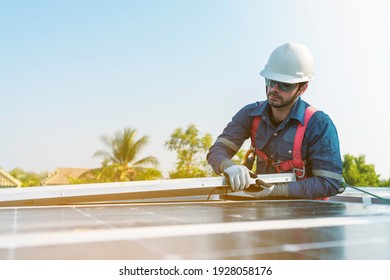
x,y
296,164
300,133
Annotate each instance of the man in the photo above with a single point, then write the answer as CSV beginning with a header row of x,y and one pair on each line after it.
x,y
274,124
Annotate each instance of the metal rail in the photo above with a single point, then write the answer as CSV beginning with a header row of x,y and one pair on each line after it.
x,y
88,193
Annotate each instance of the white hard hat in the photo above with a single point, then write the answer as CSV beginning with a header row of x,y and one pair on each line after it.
x,y
290,63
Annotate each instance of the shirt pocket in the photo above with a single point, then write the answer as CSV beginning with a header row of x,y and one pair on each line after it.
x,y
262,136
289,135
285,146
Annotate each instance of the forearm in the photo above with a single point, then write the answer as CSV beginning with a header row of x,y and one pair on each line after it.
x,y
313,187
219,158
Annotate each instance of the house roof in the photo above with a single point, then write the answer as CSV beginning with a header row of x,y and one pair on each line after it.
x,y
6,180
61,176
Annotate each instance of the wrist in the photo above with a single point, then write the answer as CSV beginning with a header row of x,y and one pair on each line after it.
x,y
280,190
225,164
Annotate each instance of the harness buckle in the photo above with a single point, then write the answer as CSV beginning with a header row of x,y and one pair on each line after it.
x,y
276,165
301,171
250,158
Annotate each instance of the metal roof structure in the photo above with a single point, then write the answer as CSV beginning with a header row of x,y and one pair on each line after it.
x,y
194,228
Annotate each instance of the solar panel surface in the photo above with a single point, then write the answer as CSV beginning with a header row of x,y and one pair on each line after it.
x,y
204,230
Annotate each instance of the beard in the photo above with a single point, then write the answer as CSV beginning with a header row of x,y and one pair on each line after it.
x,y
277,101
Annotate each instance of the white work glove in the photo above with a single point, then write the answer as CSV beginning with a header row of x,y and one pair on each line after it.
x,y
238,176
263,189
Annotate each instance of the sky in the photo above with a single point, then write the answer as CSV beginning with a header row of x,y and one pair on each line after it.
x,y
72,71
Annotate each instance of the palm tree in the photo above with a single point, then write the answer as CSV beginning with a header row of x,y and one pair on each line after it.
x,y
120,161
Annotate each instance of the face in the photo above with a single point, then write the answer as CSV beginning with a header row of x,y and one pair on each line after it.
x,y
278,97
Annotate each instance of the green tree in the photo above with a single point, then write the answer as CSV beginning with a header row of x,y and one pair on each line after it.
x,y
28,179
239,157
385,183
121,161
112,172
105,174
357,173
191,149
148,174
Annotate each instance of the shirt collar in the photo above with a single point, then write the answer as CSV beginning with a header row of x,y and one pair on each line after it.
x,y
297,111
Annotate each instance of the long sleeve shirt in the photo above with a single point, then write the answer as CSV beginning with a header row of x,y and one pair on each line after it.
x,y
320,147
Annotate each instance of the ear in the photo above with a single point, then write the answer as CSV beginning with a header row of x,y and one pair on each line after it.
x,y
303,88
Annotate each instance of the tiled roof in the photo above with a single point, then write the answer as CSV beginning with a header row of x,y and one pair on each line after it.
x,y
6,180
61,176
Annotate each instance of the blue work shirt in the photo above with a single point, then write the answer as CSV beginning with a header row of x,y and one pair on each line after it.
x,y
320,147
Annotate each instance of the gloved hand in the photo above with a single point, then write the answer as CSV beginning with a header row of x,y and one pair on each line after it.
x,y
238,176
261,189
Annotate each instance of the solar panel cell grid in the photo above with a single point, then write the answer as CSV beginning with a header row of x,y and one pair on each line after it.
x,y
197,230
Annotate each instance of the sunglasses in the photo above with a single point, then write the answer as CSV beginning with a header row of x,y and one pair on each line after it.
x,y
281,86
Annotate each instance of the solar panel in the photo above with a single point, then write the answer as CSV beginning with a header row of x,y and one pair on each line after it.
x,y
269,230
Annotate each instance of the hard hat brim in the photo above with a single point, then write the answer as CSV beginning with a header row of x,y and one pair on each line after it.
x,y
283,78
